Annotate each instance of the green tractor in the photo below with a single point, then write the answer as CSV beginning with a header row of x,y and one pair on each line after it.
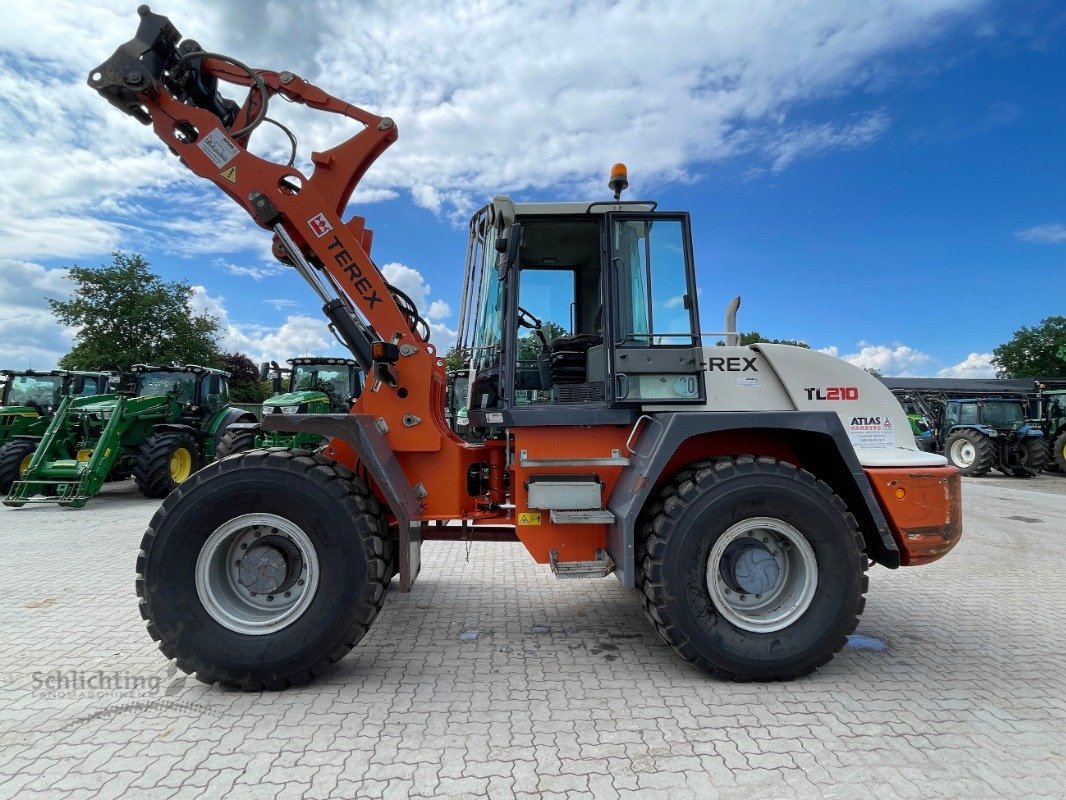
x,y
308,385
1053,423
161,434
28,398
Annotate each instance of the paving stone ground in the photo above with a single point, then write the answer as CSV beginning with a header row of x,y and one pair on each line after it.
x,y
493,679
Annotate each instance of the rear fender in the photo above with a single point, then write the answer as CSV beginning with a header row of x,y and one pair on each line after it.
x,y
175,427
815,441
217,428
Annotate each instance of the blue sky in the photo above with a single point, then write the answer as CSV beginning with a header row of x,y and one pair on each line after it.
x,y
883,180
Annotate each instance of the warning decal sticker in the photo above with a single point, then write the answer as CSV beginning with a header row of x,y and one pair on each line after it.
x,y
218,148
230,174
529,518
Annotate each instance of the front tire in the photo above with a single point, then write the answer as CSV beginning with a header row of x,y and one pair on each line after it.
x,y
165,461
752,569
14,459
322,537
972,452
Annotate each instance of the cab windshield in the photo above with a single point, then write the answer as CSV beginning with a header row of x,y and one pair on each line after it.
x,y
42,390
150,384
1002,414
330,380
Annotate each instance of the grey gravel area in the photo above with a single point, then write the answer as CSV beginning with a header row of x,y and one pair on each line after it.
x,y
493,679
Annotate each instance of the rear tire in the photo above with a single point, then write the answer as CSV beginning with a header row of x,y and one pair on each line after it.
x,y
972,452
165,461
238,441
14,458
342,530
733,520
1032,458
1058,451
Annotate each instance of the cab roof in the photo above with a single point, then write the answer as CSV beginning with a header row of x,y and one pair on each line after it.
x,y
321,360
195,368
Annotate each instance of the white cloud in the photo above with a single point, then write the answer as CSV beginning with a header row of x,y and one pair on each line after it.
x,y
407,280
438,310
29,335
813,140
1052,233
896,360
298,335
975,365
281,302
698,83
255,273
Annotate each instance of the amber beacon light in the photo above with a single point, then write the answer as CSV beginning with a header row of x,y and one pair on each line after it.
x,y
619,180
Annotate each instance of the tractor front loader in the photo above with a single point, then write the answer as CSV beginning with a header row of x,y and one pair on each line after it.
x,y
309,385
742,491
28,401
160,436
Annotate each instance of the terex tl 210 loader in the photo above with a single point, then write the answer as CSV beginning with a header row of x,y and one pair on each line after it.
x,y
741,490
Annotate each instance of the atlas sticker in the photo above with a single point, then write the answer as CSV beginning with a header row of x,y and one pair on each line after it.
x,y
750,381
229,174
218,148
319,225
871,433
529,518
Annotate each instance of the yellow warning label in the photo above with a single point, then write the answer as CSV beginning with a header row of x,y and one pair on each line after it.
x,y
230,174
529,518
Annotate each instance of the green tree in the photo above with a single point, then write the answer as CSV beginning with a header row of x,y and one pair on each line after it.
x,y
529,345
754,337
1040,350
244,384
125,314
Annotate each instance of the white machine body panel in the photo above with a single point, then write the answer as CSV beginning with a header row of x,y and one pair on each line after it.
x,y
775,377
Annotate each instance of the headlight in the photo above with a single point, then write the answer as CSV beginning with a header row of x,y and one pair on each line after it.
x,y
300,409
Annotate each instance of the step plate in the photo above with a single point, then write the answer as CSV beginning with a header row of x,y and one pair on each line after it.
x,y
588,516
601,567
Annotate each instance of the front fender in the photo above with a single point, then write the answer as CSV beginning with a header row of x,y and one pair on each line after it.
x,y
667,432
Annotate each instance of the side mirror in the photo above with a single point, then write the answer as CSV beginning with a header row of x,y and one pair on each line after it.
x,y
264,370
509,246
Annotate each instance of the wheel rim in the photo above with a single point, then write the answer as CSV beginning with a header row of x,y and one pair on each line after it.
x,y
257,574
762,574
963,453
25,464
180,465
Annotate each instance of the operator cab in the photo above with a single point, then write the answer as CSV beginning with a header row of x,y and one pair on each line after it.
x,y
199,390
597,304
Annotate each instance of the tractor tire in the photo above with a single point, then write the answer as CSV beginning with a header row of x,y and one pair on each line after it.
x,y
165,461
311,533
237,441
14,458
751,569
1058,451
1032,458
972,452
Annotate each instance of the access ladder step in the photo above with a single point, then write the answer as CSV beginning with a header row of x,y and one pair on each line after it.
x,y
600,567
584,516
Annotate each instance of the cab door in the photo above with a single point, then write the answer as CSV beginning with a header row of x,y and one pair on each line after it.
x,y
653,351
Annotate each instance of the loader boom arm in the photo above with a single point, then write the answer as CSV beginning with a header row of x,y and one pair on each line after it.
x,y
173,86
